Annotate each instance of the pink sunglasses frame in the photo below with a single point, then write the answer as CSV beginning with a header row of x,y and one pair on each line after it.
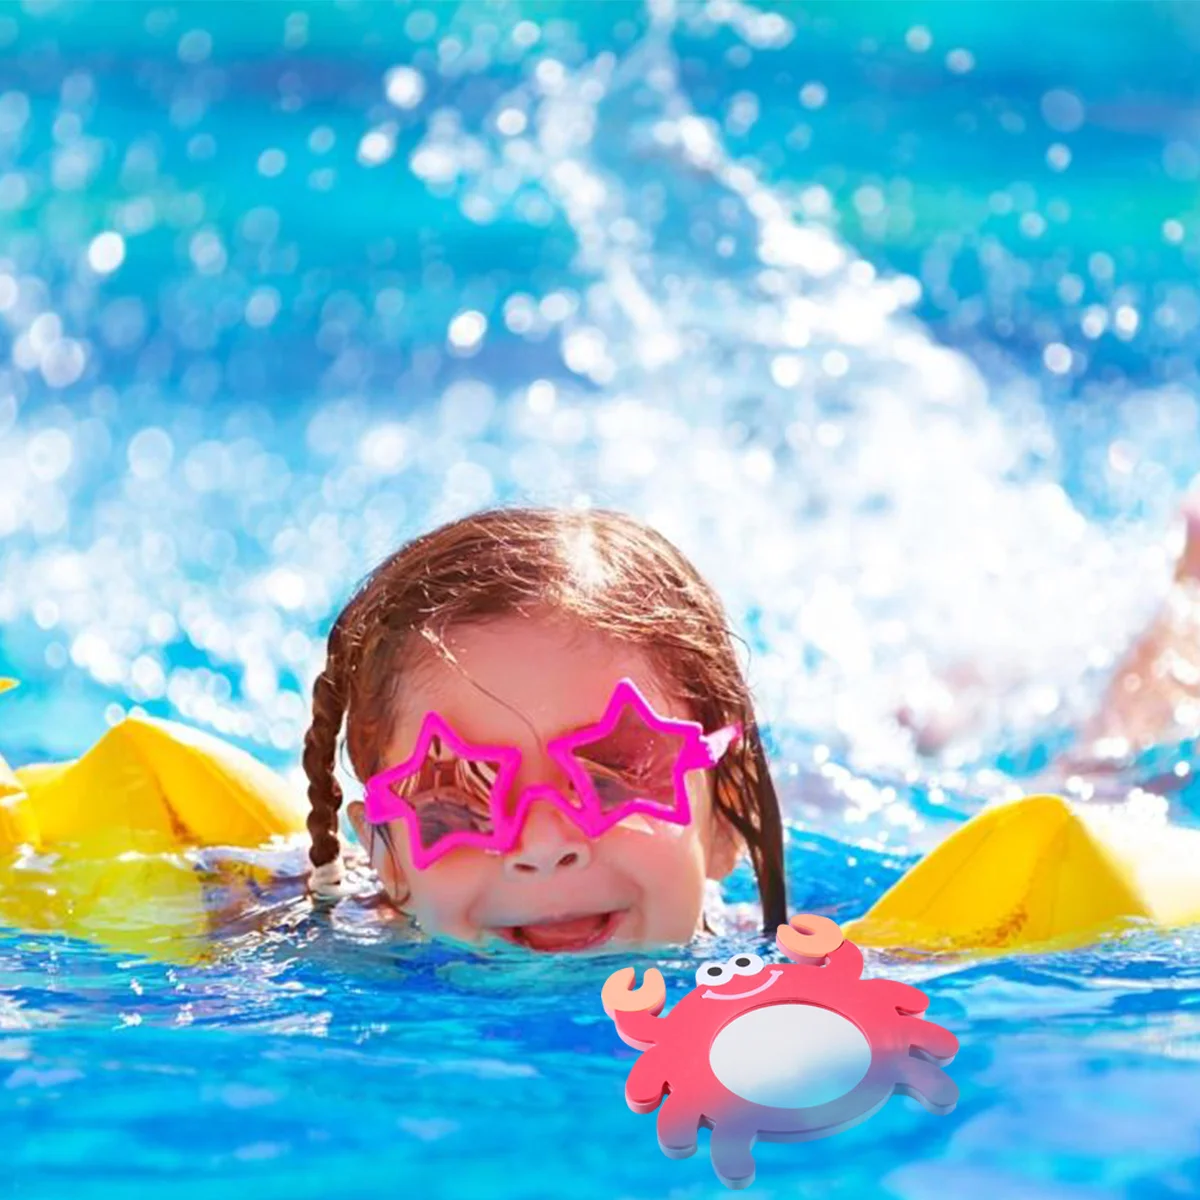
x,y
699,750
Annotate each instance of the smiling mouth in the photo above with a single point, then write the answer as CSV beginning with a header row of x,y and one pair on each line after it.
x,y
762,987
563,934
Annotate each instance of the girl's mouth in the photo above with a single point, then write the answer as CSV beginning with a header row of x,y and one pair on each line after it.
x,y
564,933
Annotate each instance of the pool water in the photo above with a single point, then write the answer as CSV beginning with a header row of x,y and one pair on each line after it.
x,y
884,312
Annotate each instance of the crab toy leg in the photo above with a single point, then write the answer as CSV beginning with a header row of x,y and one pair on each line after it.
x,y
646,1084
927,1084
910,1001
732,1158
678,1126
932,1042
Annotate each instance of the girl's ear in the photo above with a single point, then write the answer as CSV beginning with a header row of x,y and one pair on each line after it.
x,y
724,848
383,861
356,811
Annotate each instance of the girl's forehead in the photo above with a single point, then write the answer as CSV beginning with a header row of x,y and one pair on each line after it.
x,y
521,681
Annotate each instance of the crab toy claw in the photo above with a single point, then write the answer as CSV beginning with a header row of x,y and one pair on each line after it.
x,y
809,938
618,994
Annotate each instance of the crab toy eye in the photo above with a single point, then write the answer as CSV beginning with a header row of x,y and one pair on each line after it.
x,y
745,964
714,974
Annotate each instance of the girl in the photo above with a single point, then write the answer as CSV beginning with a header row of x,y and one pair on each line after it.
x,y
515,626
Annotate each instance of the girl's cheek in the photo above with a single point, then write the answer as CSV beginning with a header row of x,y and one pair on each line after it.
x,y
666,865
673,893
444,896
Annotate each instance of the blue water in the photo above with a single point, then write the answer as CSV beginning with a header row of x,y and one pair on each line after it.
x,y
899,346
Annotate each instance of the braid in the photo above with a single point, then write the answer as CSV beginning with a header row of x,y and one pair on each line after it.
x,y
320,752
746,797
767,853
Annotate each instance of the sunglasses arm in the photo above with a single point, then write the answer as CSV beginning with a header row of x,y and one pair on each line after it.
x,y
716,744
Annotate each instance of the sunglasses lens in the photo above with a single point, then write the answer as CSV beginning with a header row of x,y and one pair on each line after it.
x,y
633,762
448,793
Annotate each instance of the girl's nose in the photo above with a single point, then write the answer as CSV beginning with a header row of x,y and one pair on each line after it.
x,y
550,845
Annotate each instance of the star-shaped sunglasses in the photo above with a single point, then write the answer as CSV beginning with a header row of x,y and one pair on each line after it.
x,y
453,793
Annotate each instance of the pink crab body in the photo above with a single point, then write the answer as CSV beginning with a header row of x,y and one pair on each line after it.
x,y
782,1051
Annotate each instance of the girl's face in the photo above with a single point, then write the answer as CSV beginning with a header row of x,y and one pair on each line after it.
x,y
522,682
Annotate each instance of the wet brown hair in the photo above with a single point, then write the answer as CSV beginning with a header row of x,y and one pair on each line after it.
x,y
605,569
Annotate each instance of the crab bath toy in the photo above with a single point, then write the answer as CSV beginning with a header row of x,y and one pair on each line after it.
x,y
786,1052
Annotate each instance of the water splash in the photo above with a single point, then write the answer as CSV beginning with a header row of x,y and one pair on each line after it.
x,y
884,521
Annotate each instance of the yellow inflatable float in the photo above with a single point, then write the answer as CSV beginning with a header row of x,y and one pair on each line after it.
x,y
1039,872
98,848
